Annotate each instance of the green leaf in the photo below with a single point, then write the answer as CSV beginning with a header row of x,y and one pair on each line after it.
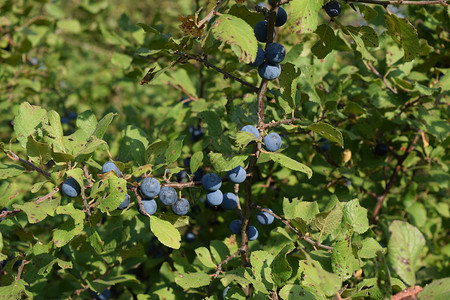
x,y
328,132
329,221
222,163
69,25
326,42
103,124
54,130
404,247
155,152
15,290
367,12
123,61
99,285
288,83
95,240
304,16
219,250
369,248
87,122
205,257
318,281
404,33
235,31
174,149
8,191
290,163
356,216
38,152
38,212
300,209
438,289
27,121
366,33
192,280
261,262
243,138
196,161
166,233
133,145
281,268
10,170
116,189
292,291
70,228
342,259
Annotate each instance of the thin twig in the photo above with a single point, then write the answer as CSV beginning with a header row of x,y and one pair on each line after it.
x,y
204,61
19,272
13,156
211,13
392,179
383,78
281,122
285,222
399,2
225,261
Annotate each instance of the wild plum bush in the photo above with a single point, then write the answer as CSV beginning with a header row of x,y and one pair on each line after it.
x,y
308,154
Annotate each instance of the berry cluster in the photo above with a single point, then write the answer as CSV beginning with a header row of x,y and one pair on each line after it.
x,y
272,141
268,61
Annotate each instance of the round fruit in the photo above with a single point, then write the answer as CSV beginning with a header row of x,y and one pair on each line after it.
x,y
125,202
332,8
110,166
381,149
237,175
168,195
181,176
180,207
149,207
268,71
264,217
230,201
272,142
235,226
261,31
324,144
150,187
189,237
281,17
252,233
106,294
211,182
251,129
71,188
225,291
259,58
196,133
3,209
275,53
214,198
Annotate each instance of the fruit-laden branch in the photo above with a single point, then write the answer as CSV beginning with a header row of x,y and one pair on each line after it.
x,y
13,156
391,182
399,2
203,60
285,222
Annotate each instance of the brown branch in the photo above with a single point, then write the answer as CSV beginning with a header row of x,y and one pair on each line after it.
x,y
399,2
13,156
211,13
19,272
285,222
225,261
284,121
49,195
87,176
383,78
391,182
204,61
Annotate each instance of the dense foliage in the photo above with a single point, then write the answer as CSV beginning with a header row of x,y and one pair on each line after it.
x,y
224,149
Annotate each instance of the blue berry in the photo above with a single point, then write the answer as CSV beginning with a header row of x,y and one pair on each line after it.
x,y
168,195
381,149
251,129
125,202
230,201
180,207
71,188
181,176
72,115
281,17
235,226
105,295
211,182
237,175
3,209
150,207
225,291
150,187
189,237
275,53
261,31
332,8
214,198
272,142
252,233
264,217
269,71
111,166
196,133
324,144
259,59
